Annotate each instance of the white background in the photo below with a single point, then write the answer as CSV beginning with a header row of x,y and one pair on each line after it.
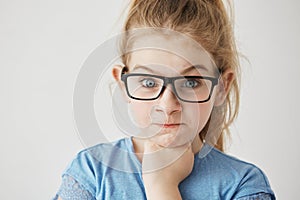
x,y
44,43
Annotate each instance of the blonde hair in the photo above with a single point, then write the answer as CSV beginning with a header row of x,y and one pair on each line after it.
x,y
207,22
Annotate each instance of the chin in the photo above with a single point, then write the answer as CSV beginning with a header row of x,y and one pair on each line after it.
x,y
181,138
180,142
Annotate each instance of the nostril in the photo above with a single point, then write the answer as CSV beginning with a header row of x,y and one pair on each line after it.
x,y
168,107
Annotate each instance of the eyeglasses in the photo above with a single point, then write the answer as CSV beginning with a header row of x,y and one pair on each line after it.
x,y
193,89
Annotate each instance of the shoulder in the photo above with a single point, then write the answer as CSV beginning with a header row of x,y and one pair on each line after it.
x,y
245,170
246,178
101,150
88,165
95,155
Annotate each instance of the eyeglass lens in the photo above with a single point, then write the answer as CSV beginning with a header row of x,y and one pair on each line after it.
x,y
190,89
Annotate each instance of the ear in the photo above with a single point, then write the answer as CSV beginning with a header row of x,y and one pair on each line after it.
x,y
224,86
116,73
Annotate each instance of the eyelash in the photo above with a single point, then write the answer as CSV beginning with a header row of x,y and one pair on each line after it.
x,y
147,79
198,83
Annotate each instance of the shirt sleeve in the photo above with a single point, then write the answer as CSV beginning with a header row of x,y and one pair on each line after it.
x,y
84,169
70,189
254,185
258,196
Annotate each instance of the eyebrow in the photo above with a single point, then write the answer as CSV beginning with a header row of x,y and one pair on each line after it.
x,y
194,67
142,67
190,68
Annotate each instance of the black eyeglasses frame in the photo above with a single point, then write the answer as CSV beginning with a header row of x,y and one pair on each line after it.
x,y
166,81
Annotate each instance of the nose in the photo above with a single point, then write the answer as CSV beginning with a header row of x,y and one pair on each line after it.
x,y
168,102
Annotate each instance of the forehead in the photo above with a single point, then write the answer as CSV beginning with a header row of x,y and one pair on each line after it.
x,y
164,62
169,51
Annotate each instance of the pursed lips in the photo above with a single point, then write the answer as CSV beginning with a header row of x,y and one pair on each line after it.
x,y
168,125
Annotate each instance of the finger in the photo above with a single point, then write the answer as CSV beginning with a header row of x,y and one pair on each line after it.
x,y
164,140
150,146
183,147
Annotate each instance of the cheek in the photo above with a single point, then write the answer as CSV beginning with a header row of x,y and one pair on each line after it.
x,y
197,115
140,113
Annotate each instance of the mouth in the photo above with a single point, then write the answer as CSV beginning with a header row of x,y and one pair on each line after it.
x,y
169,125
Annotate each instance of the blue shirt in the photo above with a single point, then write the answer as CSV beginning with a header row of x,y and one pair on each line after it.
x,y
112,171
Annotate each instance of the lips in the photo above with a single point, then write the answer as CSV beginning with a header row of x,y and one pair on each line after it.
x,y
169,125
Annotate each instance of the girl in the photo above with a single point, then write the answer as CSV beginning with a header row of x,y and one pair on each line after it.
x,y
179,78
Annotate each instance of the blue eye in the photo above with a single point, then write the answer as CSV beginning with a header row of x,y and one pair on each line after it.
x,y
190,83
149,83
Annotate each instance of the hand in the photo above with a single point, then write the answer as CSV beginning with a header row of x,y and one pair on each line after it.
x,y
164,168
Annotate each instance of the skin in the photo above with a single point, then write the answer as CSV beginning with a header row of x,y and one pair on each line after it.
x,y
177,141
167,109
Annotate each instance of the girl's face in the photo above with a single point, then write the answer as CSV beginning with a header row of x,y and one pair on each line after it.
x,y
167,116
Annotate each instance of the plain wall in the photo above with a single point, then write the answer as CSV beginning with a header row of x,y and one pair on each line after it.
x,y
43,45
